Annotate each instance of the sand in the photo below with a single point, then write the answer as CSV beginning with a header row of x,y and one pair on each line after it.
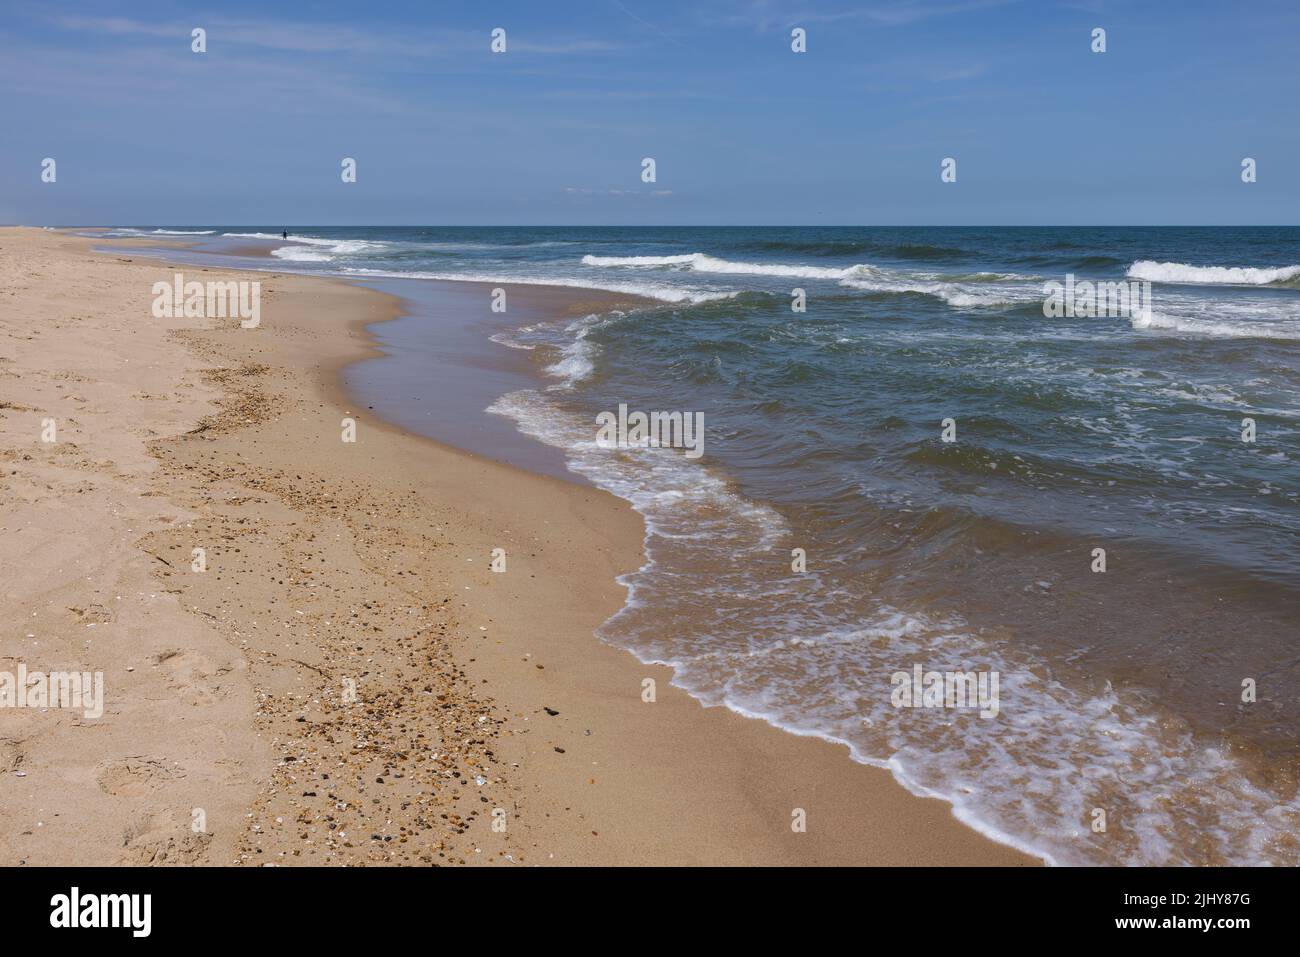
x,y
229,734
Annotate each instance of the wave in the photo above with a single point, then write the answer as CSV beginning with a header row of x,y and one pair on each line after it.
x,y
702,262
953,295
123,231
417,244
313,254
340,245
297,239
298,254
918,251
578,358
858,276
660,292
1212,275
983,277
1151,320
318,251
639,260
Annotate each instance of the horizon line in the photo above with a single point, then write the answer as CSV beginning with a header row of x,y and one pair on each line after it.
x,y
689,225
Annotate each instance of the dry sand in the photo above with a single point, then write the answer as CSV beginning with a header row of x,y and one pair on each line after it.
x,y
332,565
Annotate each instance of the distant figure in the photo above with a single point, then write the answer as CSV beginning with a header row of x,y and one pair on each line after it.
x,y
285,234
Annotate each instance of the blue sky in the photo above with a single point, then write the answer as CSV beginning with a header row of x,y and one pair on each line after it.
x,y
743,131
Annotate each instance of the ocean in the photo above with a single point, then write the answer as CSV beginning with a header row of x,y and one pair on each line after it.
x,y
921,469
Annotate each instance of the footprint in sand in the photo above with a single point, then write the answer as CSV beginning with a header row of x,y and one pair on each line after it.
x,y
93,614
137,776
11,755
196,679
154,839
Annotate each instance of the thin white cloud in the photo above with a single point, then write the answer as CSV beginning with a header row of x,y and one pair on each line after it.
x,y
961,73
763,16
582,191
647,24
313,37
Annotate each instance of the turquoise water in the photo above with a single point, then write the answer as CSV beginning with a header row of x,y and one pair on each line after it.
x,y
1121,689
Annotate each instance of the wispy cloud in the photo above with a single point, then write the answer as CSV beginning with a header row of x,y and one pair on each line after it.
x,y
961,73
763,15
653,27
294,36
582,191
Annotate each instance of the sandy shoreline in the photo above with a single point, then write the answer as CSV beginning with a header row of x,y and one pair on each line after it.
x,y
333,563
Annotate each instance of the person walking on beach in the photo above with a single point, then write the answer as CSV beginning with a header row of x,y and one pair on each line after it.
x,y
285,234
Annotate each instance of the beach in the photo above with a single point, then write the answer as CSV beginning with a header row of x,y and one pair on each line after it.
x,y
347,681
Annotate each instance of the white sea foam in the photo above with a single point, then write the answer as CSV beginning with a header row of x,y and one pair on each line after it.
x,y
332,248
862,276
577,360
663,292
417,245
1214,275
953,294
639,260
660,483
344,247
701,262
506,339
125,231
298,254
1153,320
